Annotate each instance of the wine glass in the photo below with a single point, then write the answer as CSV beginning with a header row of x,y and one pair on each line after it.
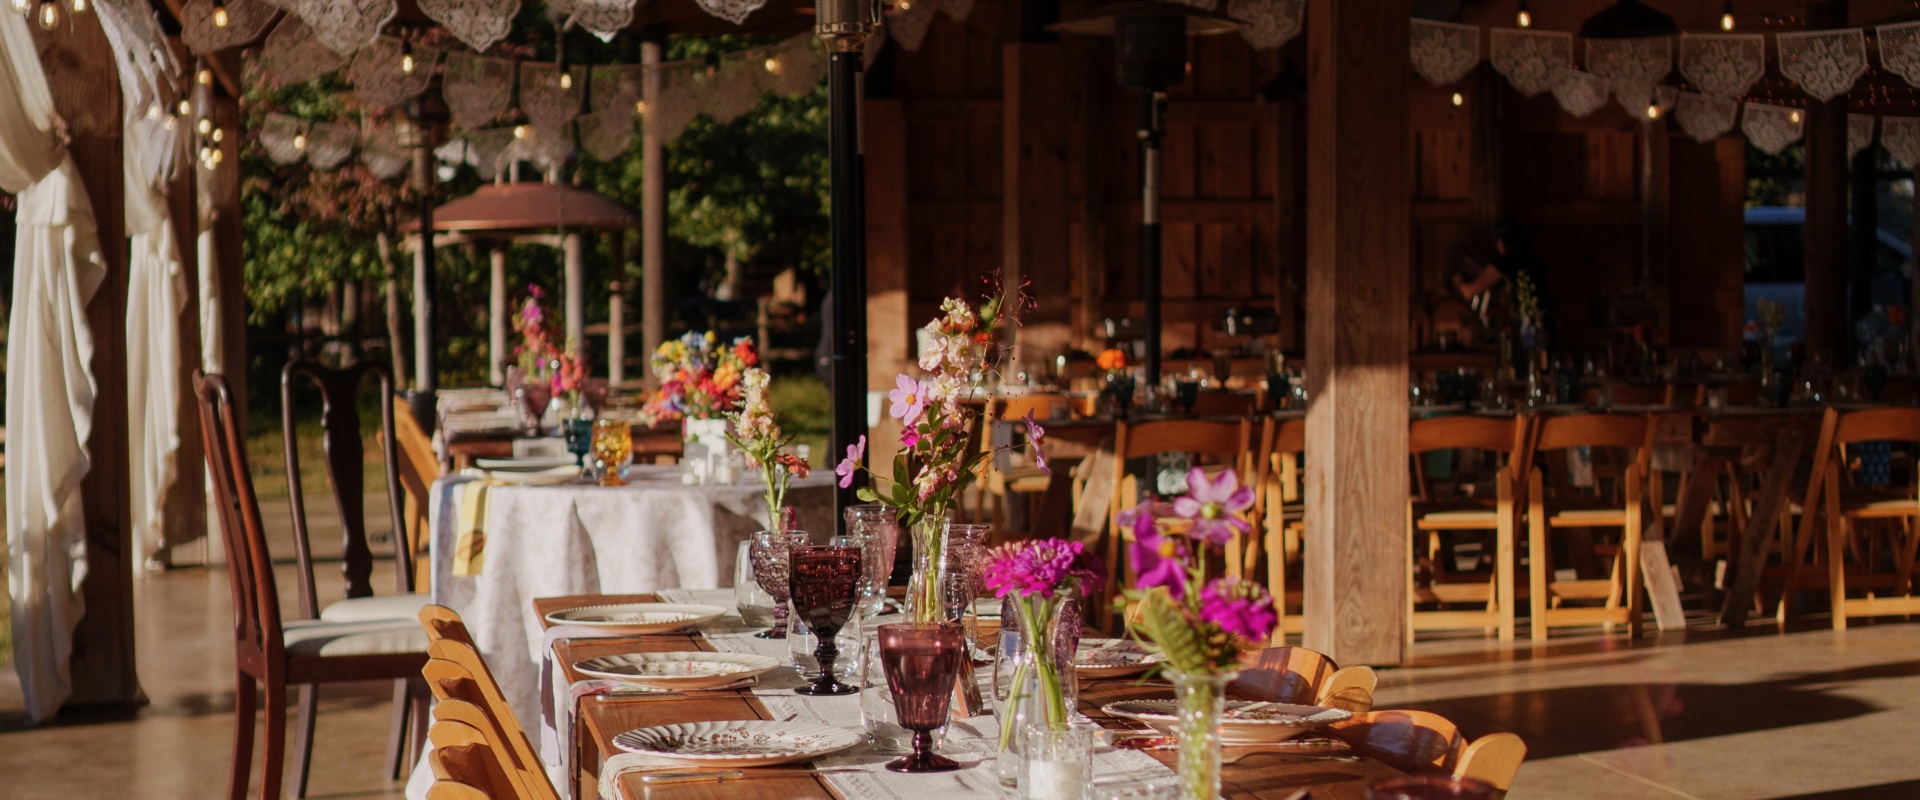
x,y
922,660
875,528
771,553
535,395
579,433
612,442
825,588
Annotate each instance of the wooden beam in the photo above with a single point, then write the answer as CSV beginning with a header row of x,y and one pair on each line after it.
x,y
1358,278
1655,205
1035,228
1826,230
228,238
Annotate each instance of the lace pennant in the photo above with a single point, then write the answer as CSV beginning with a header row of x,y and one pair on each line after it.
x,y
1724,66
1770,128
734,11
1705,118
246,20
1531,60
616,87
1270,23
1443,52
291,54
455,152
490,151
549,107
345,26
381,154
669,113
909,28
957,10
284,137
730,92
1901,137
476,89
548,148
604,18
1664,97
1631,67
1824,63
379,79
801,67
1859,133
1579,93
606,134
1900,49
478,23
329,145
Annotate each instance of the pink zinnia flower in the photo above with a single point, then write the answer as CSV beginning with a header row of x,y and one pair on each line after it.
x,y
1214,506
851,464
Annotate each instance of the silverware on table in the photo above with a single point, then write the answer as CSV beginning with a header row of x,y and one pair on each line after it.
x,y
698,776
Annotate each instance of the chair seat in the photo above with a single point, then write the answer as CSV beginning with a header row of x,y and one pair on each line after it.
x,y
1869,503
311,638
1714,509
380,607
1454,514
1582,515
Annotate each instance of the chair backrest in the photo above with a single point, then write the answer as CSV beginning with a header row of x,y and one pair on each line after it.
x,y
419,467
1284,674
454,790
256,599
1635,394
1495,434
1350,689
1876,424
1041,406
474,754
1494,758
1225,404
1229,440
455,670
1409,741
346,457
442,622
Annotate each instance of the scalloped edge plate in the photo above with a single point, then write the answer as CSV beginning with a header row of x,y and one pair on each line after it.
x,y
638,617
685,670
1276,721
1131,659
746,743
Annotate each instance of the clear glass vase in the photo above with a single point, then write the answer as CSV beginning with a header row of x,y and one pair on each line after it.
x,y
1201,700
925,601
1034,684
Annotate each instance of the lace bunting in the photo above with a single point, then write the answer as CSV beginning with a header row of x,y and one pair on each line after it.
x,y
909,28
1443,52
1723,66
382,154
1770,128
345,26
669,114
1824,63
284,138
617,87
329,145
956,10
476,89
1859,133
1705,118
1631,67
1901,137
378,78
478,23
605,18
1579,93
291,54
730,92
606,134
1270,23
549,107
490,151
734,11
1900,50
1530,60
246,20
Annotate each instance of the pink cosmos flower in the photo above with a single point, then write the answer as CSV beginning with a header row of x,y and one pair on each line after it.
x,y
851,464
1037,436
1241,608
909,400
1159,560
1215,506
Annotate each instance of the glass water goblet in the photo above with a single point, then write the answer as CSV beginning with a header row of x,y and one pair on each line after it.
x,y
922,660
877,712
771,553
825,589
755,604
612,443
877,528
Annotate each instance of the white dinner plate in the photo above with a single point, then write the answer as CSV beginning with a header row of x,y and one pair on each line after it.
x,y
737,743
633,618
524,464
686,671
1243,722
1112,658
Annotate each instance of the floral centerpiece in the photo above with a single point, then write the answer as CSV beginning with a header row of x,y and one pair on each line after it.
x,y
758,435
1773,316
532,378
938,459
1040,577
700,384
1120,382
1196,623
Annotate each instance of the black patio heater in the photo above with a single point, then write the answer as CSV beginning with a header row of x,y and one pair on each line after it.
x,y
1150,54
844,26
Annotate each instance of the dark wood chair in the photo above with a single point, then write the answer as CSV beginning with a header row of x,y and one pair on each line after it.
x,y
345,450
270,651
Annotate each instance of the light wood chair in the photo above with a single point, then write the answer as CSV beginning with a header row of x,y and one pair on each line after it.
x,y
1422,742
1283,516
1024,478
269,651
419,468
1228,442
1306,677
475,756
457,672
1429,518
340,436
1621,591
1859,520
1226,404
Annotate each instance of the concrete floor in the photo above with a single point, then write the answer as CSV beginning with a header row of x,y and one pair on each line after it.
x,y
1700,714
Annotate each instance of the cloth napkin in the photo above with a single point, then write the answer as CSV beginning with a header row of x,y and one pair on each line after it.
x,y
470,523
622,764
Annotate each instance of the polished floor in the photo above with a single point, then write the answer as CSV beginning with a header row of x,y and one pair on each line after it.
x,y
1701,714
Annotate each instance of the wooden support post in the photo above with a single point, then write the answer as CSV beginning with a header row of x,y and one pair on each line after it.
x,y
576,278
889,331
186,503
653,213
1090,254
228,238
1826,230
1655,209
1035,211
1358,279
497,351
617,310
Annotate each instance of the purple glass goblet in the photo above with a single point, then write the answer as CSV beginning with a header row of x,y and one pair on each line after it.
x,y
825,590
1431,787
921,660
770,554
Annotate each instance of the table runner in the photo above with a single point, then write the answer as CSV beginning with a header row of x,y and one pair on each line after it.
x,y
972,742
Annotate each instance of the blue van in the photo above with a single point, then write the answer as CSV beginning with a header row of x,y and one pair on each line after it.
x,y
1775,255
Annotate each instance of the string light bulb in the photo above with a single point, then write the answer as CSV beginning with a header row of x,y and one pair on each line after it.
x,y
566,78
218,156
1653,111
21,7
205,126
1794,117
79,6
406,56
519,131
153,110
1459,99
49,15
1726,16
185,108
206,154
218,135
639,106
221,18
205,77
1524,18
773,64
300,141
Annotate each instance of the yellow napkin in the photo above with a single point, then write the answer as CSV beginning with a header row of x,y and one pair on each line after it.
x,y
471,524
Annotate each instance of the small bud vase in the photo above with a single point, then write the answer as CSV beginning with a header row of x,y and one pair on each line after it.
x,y
1201,700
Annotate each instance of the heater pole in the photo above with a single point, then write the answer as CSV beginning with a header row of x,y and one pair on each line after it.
x,y
1151,125
845,25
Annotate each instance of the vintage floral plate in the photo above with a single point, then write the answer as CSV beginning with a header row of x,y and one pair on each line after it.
x,y
684,671
737,743
1112,658
632,618
1243,722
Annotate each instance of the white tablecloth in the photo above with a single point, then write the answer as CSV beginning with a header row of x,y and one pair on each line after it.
x,y
545,541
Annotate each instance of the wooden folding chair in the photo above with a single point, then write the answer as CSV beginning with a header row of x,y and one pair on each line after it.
x,y
1429,517
457,672
419,468
477,756
1422,742
1283,516
1226,404
1854,515
1621,590
1229,442
1023,478
1306,677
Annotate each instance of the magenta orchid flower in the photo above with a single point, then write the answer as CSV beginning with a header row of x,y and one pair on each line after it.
x,y
1037,436
909,399
851,464
1215,507
1239,607
1159,560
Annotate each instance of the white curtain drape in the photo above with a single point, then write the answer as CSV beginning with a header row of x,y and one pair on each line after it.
x,y
50,389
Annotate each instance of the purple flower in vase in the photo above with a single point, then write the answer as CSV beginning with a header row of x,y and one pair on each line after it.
x,y
1214,507
1160,560
1241,608
1038,568
1037,436
851,464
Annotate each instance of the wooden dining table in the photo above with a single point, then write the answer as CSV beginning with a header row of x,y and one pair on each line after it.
x,y
1328,771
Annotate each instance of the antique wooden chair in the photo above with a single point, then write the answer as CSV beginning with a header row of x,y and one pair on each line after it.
x,y
1422,742
346,473
1230,443
1573,509
457,672
270,651
1867,525
1298,675
1429,518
